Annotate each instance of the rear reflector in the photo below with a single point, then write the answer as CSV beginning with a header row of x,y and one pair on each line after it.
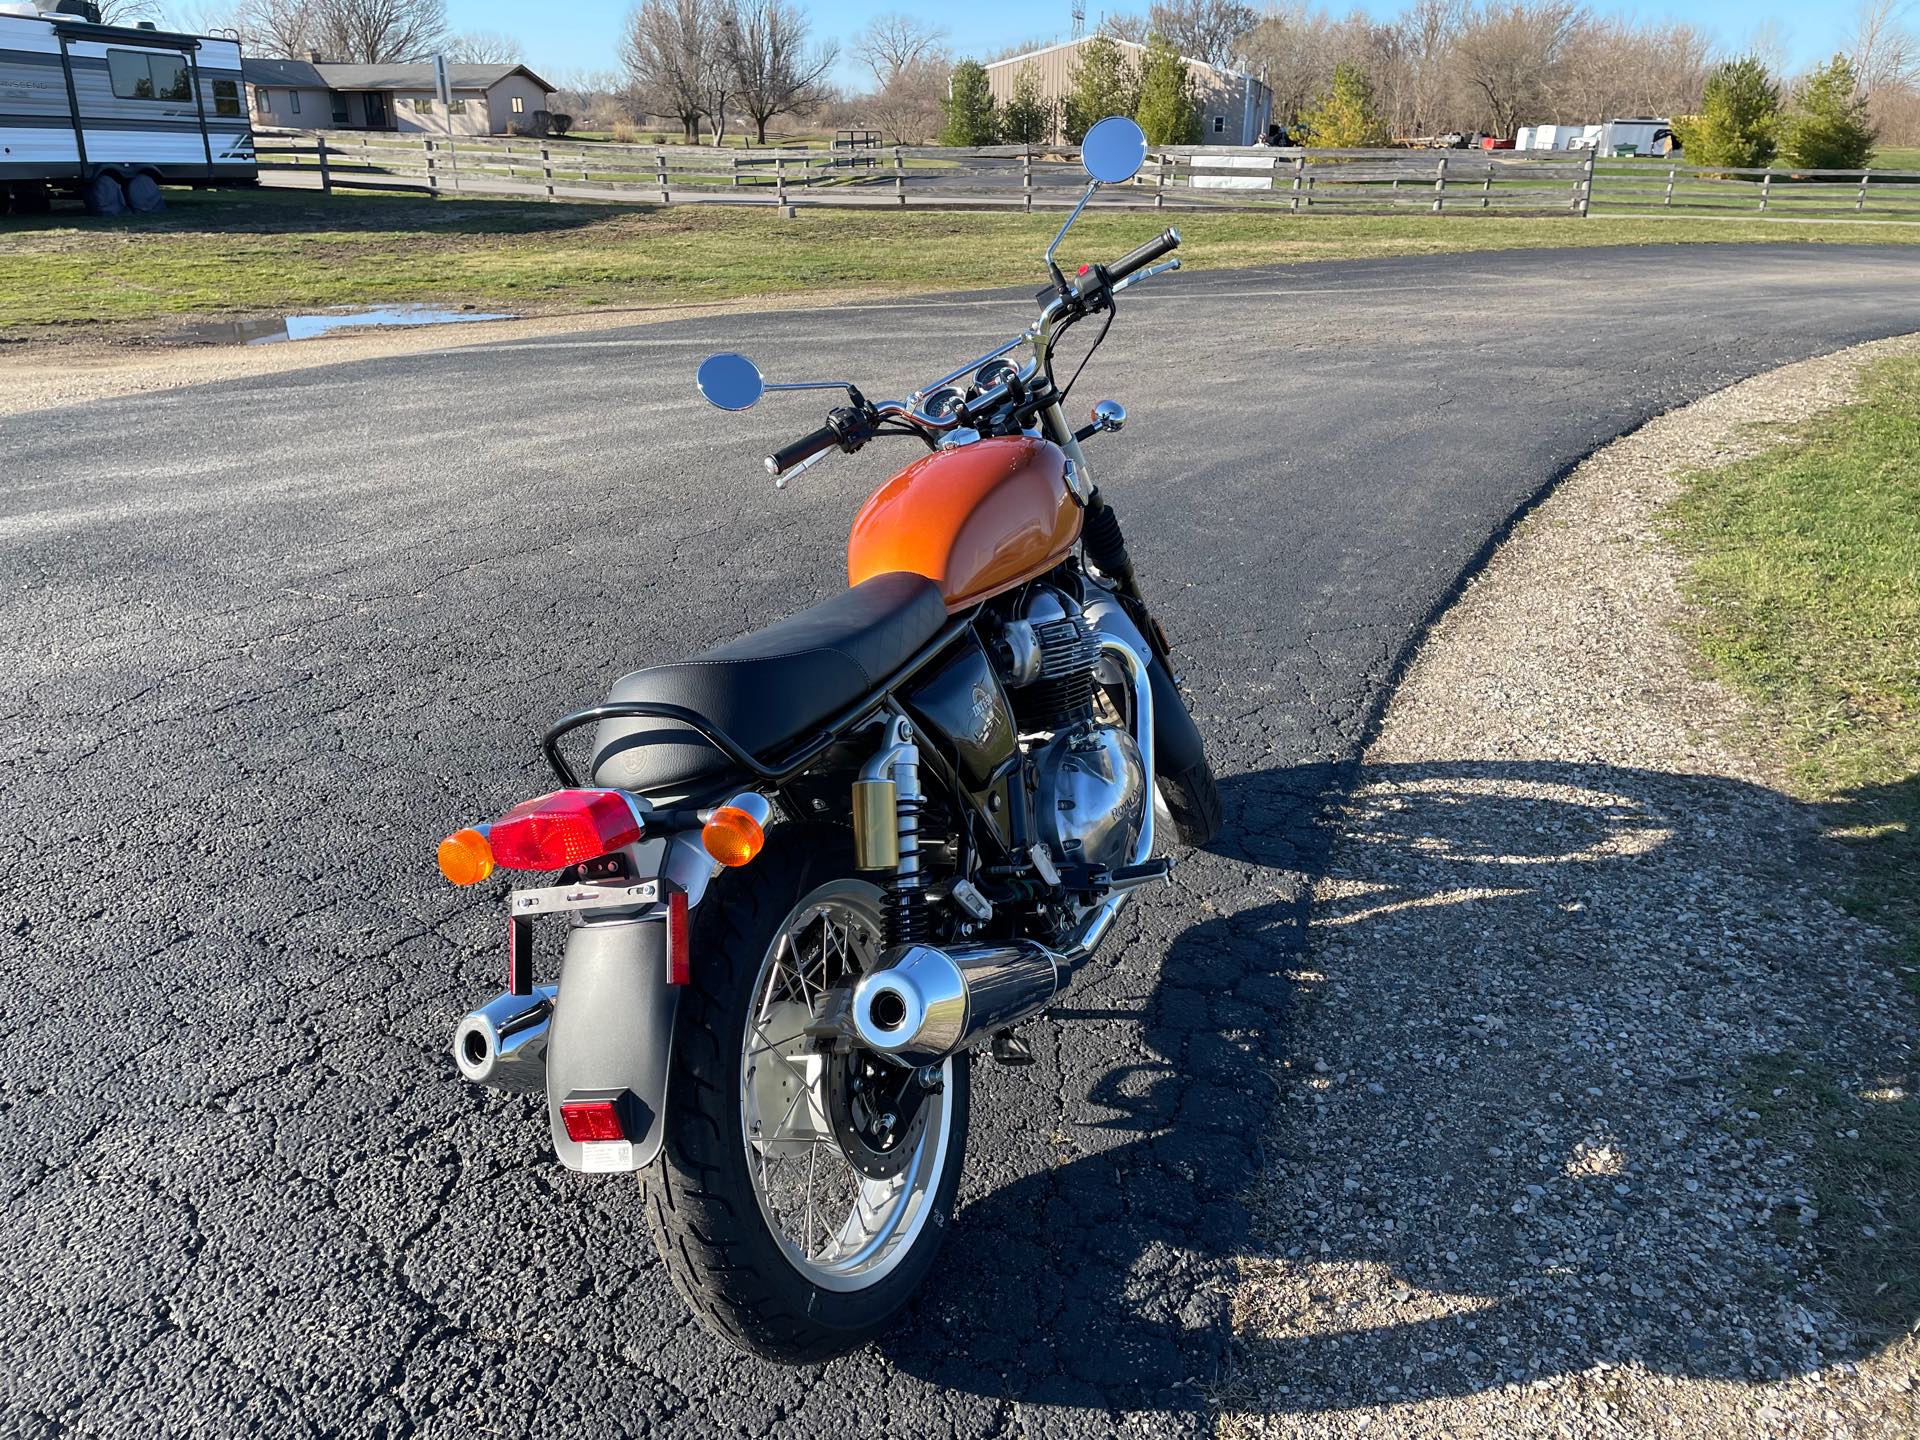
x,y
679,961
563,829
591,1120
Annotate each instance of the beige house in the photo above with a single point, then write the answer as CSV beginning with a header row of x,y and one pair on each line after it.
x,y
1234,108
319,95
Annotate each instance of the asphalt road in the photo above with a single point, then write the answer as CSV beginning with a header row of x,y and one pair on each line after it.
x,y
271,639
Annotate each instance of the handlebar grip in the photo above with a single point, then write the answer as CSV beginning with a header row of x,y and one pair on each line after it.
x,y
1139,259
805,448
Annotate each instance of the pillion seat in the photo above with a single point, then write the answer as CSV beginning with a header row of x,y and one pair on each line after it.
x,y
769,688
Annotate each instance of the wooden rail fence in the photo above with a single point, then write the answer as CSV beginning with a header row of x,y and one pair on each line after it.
x,y
1298,182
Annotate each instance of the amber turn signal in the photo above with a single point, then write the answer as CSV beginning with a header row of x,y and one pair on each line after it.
x,y
732,835
465,857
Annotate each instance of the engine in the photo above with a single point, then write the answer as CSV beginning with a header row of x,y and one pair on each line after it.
x,y
1090,783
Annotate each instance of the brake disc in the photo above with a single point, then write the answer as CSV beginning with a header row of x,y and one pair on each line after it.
x,y
878,1112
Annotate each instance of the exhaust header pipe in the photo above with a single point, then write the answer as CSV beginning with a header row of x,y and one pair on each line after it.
x,y
932,1003
504,1042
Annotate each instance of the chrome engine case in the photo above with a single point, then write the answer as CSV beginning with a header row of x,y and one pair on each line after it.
x,y
1091,798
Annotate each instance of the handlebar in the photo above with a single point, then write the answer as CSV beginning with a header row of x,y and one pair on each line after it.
x,y
802,450
850,429
1163,244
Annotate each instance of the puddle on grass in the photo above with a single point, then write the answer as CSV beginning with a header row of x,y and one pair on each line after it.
x,y
271,331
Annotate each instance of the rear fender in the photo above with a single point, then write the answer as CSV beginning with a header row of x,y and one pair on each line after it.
x,y
612,1025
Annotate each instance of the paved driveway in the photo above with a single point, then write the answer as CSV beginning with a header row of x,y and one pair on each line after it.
x,y
270,639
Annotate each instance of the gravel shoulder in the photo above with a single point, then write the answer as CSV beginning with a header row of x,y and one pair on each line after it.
x,y
1525,1178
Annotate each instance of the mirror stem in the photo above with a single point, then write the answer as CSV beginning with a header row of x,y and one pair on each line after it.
x,y
1059,280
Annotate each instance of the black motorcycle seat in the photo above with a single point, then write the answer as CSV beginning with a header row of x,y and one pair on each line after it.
x,y
768,688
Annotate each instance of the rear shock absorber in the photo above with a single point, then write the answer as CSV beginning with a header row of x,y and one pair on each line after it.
x,y
887,805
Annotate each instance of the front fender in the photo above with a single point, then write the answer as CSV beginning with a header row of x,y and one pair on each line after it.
x,y
612,1031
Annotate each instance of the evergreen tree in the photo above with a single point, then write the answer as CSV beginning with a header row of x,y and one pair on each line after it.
x,y
969,108
1739,115
1104,83
1168,111
1346,117
1029,116
1828,128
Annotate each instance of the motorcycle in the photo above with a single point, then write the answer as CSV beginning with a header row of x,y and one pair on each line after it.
x,y
808,876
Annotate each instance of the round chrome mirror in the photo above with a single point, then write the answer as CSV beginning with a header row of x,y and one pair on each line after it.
x,y
1114,150
730,381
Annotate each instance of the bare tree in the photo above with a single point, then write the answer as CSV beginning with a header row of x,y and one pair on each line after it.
x,y
382,32
773,72
1511,57
1425,100
1209,30
1131,28
126,12
668,50
288,29
907,107
1885,52
893,43
484,47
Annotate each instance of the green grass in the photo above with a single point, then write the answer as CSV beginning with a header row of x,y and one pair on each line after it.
x,y
1805,563
228,253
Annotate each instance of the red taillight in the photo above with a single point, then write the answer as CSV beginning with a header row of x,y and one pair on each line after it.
x,y
679,971
562,829
590,1120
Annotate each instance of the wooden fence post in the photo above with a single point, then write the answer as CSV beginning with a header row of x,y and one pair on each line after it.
x,y
433,176
899,175
1586,183
1299,172
780,180
1861,203
326,179
660,159
1160,181
1486,189
546,169
1026,178
1766,189
1672,170
1440,186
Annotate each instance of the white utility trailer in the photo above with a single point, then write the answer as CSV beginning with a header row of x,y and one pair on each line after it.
x,y
110,112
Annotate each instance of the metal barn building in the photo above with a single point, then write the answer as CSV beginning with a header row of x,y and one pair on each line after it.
x,y
1234,108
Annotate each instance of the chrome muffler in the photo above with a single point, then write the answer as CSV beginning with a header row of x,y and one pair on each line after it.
x,y
931,1003
504,1042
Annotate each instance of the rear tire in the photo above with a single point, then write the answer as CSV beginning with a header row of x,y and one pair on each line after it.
x,y
737,1271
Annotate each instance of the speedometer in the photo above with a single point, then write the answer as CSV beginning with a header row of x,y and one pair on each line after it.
x,y
944,402
994,372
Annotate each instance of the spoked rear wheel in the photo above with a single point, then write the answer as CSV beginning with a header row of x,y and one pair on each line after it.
x,y
801,1194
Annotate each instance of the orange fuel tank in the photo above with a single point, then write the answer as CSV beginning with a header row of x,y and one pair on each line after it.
x,y
976,519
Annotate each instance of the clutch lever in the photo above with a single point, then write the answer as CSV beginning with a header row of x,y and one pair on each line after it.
x,y
780,480
1147,274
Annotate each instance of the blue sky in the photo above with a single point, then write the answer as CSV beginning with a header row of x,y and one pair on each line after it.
x,y
586,34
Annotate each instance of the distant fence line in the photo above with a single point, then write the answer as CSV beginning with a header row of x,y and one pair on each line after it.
x,y
1035,178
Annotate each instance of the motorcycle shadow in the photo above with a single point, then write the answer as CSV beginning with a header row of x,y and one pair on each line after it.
x,y
1190,1151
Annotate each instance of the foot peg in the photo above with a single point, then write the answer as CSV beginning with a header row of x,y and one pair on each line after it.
x,y
1009,1049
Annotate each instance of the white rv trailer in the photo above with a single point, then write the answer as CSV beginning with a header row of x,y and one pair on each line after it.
x,y
108,112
